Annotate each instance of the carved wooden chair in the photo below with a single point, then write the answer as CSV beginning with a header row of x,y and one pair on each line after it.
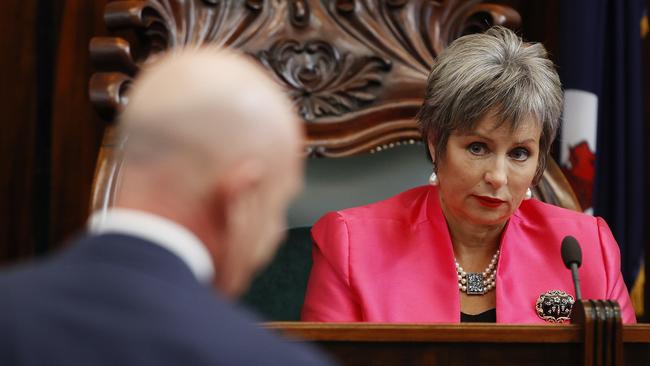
x,y
356,69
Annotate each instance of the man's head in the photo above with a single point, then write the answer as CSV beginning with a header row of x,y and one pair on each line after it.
x,y
211,142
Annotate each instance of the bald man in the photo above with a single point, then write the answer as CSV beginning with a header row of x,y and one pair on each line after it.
x,y
211,159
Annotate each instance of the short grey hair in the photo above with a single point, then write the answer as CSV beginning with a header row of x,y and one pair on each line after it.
x,y
492,72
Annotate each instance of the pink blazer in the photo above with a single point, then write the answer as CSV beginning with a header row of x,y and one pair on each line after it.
x,y
392,261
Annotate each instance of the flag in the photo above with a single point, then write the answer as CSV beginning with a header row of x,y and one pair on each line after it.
x,y
602,147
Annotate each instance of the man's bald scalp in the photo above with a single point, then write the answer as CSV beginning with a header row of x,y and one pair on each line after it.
x,y
214,103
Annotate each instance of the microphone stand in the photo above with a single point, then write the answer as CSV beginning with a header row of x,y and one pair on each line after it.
x,y
576,281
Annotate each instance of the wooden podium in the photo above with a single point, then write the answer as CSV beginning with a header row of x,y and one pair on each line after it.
x,y
596,337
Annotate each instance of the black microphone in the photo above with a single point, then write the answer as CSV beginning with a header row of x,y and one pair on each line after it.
x,y
572,257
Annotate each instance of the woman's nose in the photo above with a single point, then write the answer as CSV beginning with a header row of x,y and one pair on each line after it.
x,y
496,174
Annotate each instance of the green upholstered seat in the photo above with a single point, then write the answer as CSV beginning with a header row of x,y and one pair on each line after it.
x,y
277,293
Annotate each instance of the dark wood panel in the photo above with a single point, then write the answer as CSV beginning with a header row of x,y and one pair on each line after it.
x,y
76,127
470,344
646,63
540,22
459,354
393,332
639,333
19,103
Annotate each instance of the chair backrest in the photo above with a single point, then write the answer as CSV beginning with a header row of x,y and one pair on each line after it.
x,y
356,70
277,292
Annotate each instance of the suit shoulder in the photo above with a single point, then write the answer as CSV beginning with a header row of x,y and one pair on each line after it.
x,y
399,207
543,212
554,223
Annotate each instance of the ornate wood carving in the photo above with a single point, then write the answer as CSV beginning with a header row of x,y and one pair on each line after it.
x,y
355,68
322,81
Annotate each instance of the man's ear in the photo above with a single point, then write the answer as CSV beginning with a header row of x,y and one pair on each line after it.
x,y
235,190
241,177
234,202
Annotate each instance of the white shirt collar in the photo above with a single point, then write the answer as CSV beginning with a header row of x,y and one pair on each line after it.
x,y
159,230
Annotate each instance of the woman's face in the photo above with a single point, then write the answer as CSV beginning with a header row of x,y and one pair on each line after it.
x,y
484,173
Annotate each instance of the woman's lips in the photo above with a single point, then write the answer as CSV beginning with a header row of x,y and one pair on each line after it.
x,y
489,201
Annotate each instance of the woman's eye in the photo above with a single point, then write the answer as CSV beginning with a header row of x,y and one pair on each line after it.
x,y
519,154
477,148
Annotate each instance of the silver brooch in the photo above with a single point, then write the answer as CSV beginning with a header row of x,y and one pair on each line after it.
x,y
554,306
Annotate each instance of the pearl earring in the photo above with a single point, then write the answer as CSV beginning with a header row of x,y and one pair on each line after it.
x,y
529,194
433,178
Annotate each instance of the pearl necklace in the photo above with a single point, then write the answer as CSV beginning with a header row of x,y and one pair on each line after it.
x,y
476,283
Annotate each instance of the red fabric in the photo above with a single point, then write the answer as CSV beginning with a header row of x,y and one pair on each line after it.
x,y
392,261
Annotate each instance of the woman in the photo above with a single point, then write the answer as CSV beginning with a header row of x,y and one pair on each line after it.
x,y
471,246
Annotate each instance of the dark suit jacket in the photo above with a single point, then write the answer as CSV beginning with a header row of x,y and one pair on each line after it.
x,y
118,300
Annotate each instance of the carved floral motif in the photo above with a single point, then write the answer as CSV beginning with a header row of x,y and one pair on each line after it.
x,y
299,13
322,80
168,24
414,32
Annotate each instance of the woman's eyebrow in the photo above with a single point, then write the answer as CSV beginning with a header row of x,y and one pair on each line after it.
x,y
526,141
474,134
484,137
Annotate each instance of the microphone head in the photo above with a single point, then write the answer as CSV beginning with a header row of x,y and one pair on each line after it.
x,y
571,252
